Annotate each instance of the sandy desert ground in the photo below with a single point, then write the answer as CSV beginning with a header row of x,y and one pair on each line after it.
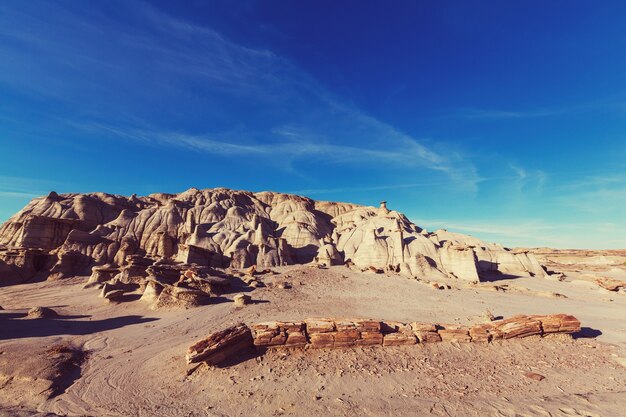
x,y
123,359
301,208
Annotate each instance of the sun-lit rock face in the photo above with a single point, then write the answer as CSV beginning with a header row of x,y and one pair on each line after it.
x,y
64,235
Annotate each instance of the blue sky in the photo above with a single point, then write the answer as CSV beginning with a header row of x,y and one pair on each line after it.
x,y
506,120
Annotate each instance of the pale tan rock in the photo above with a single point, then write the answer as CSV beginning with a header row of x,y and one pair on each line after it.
x,y
417,326
221,228
362,325
270,338
114,295
328,255
242,299
175,297
295,339
397,339
482,332
489,317
611,284
425,332
491,257
517,326
454,334
438,286
152,291
535,376
459,261
558,323
220,345
278,333
248,279
428,337
102,273
319,325
136,268
41,313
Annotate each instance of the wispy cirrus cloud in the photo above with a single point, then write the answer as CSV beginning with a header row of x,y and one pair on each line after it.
x,y
21,188
599,202
210,78
15,192
18,194
472,113
291,145
596,195
367,189
525,179
535,232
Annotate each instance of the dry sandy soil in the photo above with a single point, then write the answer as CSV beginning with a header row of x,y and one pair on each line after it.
x,y
125,360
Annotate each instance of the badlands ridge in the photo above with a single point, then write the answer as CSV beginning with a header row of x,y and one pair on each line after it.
x,y
65,235
301,308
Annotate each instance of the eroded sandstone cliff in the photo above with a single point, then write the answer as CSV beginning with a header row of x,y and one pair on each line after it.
x,y
59,236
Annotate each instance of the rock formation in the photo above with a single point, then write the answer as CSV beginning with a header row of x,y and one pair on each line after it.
x,y
58,236
319,333
220,345
41,313
611,284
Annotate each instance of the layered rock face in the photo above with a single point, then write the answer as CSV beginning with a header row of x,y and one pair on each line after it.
x,y
332,333
65,235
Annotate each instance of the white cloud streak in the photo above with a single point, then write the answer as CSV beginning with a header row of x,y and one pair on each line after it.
x,y
474,114
528,233
20,187
313,123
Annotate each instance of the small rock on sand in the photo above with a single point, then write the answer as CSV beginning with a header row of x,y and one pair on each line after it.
x,y
41,313
242,299
534,375
489,316
114,295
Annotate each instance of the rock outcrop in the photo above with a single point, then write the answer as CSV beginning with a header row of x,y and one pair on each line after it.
x,y
58,236
41,313
220,345
327,333
611,284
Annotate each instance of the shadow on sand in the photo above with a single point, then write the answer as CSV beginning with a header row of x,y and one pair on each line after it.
x,y
494,276
587,333
243,356
16,326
